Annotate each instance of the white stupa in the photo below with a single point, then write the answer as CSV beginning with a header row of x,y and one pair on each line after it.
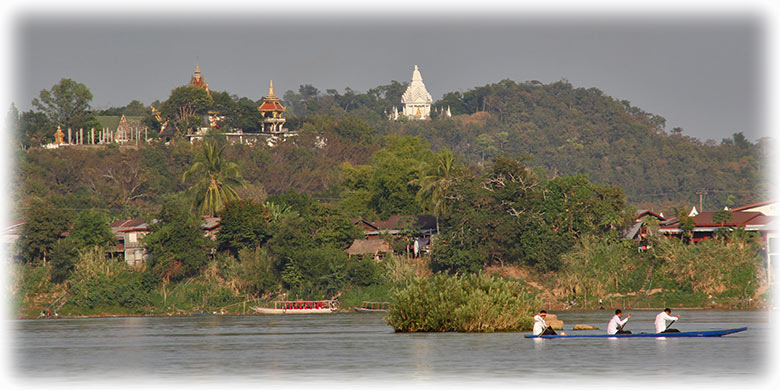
x,y
417,101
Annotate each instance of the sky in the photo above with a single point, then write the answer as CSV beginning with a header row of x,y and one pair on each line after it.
x,y
702,72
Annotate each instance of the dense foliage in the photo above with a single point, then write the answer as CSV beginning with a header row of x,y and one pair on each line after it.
x,y
470,303
506,215
728,267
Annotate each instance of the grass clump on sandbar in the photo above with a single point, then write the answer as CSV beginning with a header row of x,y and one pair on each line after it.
x,y
462,303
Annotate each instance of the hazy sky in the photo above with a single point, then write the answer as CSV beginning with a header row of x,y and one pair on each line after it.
x,y
702,74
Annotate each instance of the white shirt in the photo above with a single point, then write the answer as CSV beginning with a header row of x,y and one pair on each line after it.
x,y
612,327
660,321
539,325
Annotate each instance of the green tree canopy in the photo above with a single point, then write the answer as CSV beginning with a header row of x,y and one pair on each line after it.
x,y
186,105
244,225
44,225
176,243
216,180
66,104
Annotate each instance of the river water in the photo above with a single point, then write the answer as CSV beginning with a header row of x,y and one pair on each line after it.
x,y
356,348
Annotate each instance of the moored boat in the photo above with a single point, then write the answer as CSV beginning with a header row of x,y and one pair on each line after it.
x,y
298,307
699,333
369,307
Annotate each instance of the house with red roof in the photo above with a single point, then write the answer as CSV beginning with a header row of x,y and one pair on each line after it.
x,y
757,217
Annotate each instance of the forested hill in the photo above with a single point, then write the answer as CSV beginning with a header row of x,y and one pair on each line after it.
x,y
572,130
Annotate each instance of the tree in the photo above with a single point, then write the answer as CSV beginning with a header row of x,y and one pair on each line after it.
x,y
176,244
721,217
244,225
435,185
487,147
44,225
66,104
135,108
91,229
186,105
215,180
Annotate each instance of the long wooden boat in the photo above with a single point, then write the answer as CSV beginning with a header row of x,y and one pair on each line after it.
x,y
370,307
298,307
700,333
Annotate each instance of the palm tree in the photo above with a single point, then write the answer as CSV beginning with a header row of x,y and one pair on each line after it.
x,y
435,185
215,180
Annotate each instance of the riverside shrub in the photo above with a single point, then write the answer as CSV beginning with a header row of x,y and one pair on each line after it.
x,y
462,303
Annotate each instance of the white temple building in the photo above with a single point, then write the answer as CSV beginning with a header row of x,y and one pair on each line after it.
x,y
417,101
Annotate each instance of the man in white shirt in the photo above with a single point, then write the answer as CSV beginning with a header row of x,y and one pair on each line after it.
x,y
615,325
540,327
660,321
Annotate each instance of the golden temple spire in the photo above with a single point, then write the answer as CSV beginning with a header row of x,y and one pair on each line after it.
x,y
271,89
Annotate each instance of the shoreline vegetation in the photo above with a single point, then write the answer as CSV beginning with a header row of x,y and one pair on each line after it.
x,y
498,299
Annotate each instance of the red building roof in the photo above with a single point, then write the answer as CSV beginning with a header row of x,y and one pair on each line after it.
x,y
753,205
738,218
271,106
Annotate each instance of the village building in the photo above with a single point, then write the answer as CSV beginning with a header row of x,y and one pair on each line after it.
x,y
418,228
378,248
272,110
646,224
9,235
416,99
130,232
757,217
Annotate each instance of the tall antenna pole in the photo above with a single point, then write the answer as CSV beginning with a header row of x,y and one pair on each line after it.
x,y
701,194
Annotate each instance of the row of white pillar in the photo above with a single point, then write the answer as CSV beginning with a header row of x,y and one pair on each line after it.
x,y
105,136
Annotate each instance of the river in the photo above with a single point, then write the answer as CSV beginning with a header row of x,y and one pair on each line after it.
x,y
356,348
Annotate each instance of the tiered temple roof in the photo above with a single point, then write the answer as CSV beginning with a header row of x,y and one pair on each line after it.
x,y
198,80
270,102
272,110
417,101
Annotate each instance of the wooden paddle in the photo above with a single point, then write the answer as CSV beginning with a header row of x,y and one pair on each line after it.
x,y
670,325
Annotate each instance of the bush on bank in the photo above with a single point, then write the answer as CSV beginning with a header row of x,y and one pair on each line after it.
x,y
728,266
461,303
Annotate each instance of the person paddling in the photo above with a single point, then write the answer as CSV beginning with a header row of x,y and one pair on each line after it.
x,y
660,321
540,327
615,325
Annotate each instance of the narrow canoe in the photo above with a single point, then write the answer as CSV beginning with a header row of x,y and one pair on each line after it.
x,y
700,333
371,307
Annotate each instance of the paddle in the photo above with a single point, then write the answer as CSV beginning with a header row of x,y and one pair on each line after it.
x,y
670,325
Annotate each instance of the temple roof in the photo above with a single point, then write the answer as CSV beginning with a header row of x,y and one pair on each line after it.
x,y
197,80
416,93
270,101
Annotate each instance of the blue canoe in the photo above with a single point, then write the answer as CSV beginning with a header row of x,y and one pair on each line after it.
x,y
701,333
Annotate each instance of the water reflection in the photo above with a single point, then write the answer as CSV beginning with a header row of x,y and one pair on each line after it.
x,y
421,357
